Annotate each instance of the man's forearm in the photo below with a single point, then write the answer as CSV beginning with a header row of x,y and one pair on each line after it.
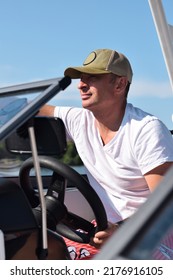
x,y
46,110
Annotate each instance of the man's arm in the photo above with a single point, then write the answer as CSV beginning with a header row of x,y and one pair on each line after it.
x,y
154,176
46,110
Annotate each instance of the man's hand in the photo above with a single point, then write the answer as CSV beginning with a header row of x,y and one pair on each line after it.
x,y
101,236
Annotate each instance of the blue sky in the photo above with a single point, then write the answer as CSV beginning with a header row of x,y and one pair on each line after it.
x,y
39,39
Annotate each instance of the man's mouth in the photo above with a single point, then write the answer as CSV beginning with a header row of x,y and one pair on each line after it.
x,y
85,96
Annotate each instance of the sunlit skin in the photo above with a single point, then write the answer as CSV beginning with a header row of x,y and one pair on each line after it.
x,y
101,94
104,96
95,90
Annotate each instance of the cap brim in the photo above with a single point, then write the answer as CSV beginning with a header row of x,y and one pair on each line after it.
x,y
75,72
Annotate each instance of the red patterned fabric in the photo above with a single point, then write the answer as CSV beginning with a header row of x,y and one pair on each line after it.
x,y
80,251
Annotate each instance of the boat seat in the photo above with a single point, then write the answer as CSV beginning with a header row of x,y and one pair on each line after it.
x,y
20,228
15,211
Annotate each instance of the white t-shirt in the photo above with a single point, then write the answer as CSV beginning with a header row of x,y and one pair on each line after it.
x,y
116,170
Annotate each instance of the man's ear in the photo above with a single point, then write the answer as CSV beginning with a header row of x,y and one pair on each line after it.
x,y
121,84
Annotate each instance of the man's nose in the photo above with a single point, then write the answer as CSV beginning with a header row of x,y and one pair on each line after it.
x,y
82,85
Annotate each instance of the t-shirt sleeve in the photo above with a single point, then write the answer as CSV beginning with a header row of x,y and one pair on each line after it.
x,y
153,146
70,117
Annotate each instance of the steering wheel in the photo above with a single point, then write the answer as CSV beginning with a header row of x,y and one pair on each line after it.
x,y
58,216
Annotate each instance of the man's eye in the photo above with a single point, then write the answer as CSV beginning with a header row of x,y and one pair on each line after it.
x,y
93,77
90,78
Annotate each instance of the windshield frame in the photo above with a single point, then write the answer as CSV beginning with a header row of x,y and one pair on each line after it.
x,y
47,88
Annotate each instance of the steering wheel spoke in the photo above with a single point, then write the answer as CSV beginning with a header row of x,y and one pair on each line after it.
x,y
78,222
57,187
81,230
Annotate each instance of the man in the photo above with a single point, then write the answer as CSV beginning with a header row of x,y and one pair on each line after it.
x,y
125,150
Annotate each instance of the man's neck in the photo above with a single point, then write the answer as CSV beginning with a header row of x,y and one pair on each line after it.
x,y
108,123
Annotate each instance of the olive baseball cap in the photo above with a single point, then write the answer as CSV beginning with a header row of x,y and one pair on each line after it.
x,y
102,61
